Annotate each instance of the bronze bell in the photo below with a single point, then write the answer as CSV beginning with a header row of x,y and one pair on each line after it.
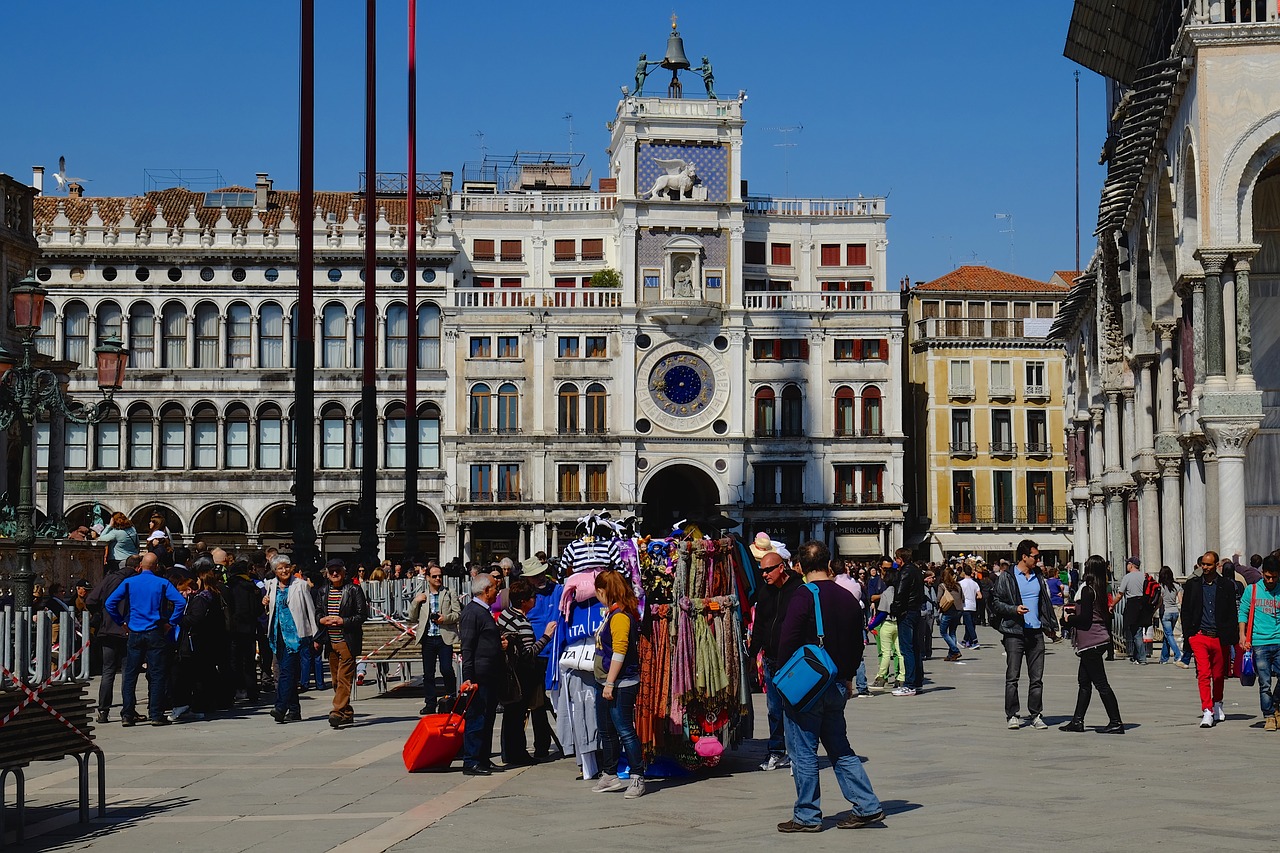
x,y
675,58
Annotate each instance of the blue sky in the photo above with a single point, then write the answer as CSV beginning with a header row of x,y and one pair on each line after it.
x,y
958,111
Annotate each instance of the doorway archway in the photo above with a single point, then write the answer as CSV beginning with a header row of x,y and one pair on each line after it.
x,y
678,492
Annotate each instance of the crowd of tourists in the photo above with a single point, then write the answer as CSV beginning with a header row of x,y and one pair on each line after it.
x,y
212,629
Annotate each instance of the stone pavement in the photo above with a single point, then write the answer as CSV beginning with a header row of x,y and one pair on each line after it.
x,y
950,774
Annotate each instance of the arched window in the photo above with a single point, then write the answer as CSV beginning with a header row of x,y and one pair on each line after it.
x,y
508,408
270,335
141,439
844,411
792,411
597,409
428,436
47,337
173,437
397,334
872,424
109,321
394,430
173,331
75,329
237,437
204,438
766,414
481,408
206,318
142,335
333,437
567,408
429,336
270,437
333,336
239,339
106,442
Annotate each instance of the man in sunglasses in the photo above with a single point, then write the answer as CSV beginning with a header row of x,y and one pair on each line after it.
x,y
437,612
345,610
780,583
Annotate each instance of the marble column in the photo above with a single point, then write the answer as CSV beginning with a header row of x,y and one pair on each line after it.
x,y
1171,512
1210,520
1117,543
1215,337
1198,336
1165,424
1080,534
1230,441
1097,521
1111,433
1149,516
1244,335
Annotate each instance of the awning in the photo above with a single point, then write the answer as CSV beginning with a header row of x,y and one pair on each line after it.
x,y
859,546
981,543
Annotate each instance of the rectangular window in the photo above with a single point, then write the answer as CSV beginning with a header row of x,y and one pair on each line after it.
x,y
753,252
1037,431
961,432
482,347
172,444
396,435
481,483
108,449
77,445
857,254
238,444
1021,310
792,484
508,346
961,376
929,309
1001,378
597,483
512,250
566,281
429,442
483,282
845,348
204,444
1002,491
482,250
509,482
1035,379
875,349
510,282
333,439
239,342
140,441
269,434
593,250
566,250
780,349
780,254
962,497
846,487
755,285
766,485
569,484
1002,431
872,484
569,348
829,255
1039,498
597,346
1045,310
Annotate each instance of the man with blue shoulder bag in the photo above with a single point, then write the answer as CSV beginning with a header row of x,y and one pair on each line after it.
x,y
821,646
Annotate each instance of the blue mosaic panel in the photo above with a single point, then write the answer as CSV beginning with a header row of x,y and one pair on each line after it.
x,y
710,162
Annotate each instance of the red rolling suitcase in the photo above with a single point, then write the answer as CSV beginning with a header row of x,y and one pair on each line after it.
x,y
437,737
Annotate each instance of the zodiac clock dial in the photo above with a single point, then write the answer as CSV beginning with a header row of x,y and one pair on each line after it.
x,y
682,384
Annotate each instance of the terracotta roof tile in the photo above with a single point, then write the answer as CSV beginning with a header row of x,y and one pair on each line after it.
x,y
980,279
1067,277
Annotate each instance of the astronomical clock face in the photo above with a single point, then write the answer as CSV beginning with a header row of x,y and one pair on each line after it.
x,y
687,390
682,385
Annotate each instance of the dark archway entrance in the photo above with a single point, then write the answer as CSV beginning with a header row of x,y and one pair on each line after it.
x,y
675,493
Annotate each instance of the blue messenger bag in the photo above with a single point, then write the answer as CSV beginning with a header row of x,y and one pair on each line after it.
x,y
808,673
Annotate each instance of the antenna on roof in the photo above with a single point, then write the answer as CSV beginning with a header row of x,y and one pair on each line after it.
x,y
479,135
569,118
784,145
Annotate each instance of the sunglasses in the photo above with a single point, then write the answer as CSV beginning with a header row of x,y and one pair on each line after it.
x,y
435,577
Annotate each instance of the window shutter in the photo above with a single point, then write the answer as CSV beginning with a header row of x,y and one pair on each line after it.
x,y
857,254
777,348
884,349
857,349
804,349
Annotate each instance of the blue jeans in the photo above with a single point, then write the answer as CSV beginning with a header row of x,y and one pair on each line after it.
x,y
949,622
970,632
1169,649
152,646
860,678
773,702
825,722
287,681
312,664
912,662
616,721
1266,659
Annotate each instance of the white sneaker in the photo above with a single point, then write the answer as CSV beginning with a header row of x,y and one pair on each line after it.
x,y
608,782
1206,722
1218,714
774,762
635,789
1015,722
1037,722
904,691
176,713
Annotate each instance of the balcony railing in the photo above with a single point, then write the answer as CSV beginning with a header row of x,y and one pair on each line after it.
x,y
1015,515
785,300
535,202
963,448
1037,448
1036,392
536,297
767,206
1002,392
959,390
1235,12
972,327
1004,448
848,497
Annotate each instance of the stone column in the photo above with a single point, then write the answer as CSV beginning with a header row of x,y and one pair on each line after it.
x,y
1117,511
1244,336
1215,333
287,355
1080,535
539,425
466,541
1111,433
255,335
1149,515
1230,441
1209,521
1196,286
1165,425
191,341
1171,523
1097,520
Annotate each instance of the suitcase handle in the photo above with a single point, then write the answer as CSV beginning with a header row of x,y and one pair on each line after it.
x,y
455,717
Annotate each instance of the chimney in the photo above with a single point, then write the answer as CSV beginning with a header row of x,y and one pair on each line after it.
x,y
37,179
75,190
260,190
446,183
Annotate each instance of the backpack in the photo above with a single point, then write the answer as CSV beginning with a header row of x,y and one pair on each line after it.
x,y
1151,592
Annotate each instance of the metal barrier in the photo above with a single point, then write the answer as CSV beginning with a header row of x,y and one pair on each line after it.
x,y
36,650
393,598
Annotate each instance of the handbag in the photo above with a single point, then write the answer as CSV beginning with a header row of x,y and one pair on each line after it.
x,y
807,674
1249,672
946,602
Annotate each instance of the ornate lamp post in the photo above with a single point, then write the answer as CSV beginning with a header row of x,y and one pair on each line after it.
x,y
27,391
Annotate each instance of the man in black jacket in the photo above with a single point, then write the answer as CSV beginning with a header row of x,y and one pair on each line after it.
x,y
111,637
342,609
780,583
244,610
908,598
484,670
1210,629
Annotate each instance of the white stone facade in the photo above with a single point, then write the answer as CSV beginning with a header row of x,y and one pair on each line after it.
x,y
705,383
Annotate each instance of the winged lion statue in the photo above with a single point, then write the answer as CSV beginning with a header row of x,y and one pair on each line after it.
x,y
680,177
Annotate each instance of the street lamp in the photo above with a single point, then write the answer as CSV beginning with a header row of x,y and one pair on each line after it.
x,y
27,391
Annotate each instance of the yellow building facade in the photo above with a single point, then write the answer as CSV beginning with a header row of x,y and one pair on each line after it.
x,y
986,417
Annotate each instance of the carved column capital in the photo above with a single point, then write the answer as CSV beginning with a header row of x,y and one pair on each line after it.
x,y
1230,440
1170,467
1166,329
1212,260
